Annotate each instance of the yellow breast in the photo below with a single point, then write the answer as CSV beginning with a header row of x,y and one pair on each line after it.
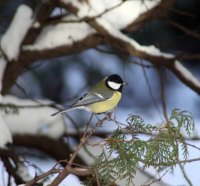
x,y
106,105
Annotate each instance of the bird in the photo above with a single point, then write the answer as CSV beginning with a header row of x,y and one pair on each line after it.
x,y
101,98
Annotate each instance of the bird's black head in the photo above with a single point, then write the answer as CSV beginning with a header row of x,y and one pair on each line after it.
x,y
114,82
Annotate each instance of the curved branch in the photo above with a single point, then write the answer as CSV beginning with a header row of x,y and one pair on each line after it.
x,y
41,16
6,155
155,12
26,58
185,75
153,55
45,144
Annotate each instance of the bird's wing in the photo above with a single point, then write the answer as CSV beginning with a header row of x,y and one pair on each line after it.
x,y
90,98
87,99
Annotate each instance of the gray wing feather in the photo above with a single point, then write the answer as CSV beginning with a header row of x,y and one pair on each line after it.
x,y
90,98
87,99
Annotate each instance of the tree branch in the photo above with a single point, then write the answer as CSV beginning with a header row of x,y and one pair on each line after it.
x,y
45,144
84,139
26,58
41,16
6,155
124,43
153,13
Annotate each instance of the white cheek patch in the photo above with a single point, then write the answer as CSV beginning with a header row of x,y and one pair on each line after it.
x,y
114,85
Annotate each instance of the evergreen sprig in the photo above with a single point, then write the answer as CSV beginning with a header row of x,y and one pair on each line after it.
x,y
182,120
125,149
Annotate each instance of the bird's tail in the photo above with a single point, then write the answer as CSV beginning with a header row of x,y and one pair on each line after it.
x,y
64,110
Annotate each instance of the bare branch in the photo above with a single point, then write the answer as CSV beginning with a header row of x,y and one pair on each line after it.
x,y
184,29
179,70
26,58
185,175
6,156
40,17
86,135
155,12
45,144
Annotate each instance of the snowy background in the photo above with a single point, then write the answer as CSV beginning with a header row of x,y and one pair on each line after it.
x,y
64,78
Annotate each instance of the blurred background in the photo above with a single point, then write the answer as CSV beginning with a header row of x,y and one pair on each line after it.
x,y
65,78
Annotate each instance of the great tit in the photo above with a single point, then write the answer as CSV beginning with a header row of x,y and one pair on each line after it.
x,y
104,96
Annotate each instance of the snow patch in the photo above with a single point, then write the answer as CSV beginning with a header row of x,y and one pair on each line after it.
x,y
23,171
151,50
11,40
5,134
186,73
36,25
35,120
112,20
62,34
117,12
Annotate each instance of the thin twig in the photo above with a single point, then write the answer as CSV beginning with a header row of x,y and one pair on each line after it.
x,y
78,20
183,13
83,140
162,95
154,179
185,175
150,90
184,29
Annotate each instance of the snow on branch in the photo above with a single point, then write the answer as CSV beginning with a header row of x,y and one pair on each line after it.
x,y
38,122
23,170
92,22
73,28
11,40
150,53
112,32
61,34
185,76
107,29
5,134
118,13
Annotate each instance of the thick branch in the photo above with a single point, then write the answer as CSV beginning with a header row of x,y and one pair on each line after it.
x,y
84,139
6,156
155,12
42,15
46,145
124,43
26,58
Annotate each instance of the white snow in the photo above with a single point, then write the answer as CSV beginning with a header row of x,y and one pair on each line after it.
x,y
36,24
67,33
11,40
62,34
34,121
186,73
23,171
3,64
151,50
118,13
5,134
